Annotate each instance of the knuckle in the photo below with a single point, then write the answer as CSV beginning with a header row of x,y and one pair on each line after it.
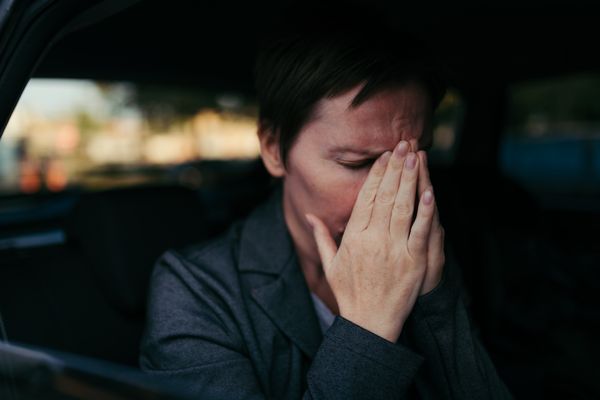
x,y
419,240
418,232
385,197
414,261
403,210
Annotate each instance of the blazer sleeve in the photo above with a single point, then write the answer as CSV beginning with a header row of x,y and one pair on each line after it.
x,y
457,366
354,363
190,337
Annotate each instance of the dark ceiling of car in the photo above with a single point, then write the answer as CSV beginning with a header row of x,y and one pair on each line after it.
x,y
212,44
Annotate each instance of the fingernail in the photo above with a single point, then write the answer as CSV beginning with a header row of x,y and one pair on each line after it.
x,y
411,161
402,148
384,158
427,197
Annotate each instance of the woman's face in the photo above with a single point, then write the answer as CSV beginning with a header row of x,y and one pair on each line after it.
x,y
332,155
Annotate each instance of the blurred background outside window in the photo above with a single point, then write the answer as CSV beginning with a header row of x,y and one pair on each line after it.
x,y
552,140
447,124
67,133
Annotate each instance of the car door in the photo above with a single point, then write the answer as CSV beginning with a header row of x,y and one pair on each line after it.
x,y
28,29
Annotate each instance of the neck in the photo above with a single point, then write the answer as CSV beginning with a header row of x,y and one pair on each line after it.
x,y
308,256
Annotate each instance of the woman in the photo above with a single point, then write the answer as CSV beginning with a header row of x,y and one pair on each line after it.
x,y
334,288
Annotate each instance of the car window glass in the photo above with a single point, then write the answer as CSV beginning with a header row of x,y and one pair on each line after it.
x,y
95,135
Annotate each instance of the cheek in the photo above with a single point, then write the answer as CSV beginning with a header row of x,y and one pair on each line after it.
x,y
325,189
352,183
339,194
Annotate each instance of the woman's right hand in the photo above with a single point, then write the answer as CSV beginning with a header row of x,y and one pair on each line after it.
x,y
377,272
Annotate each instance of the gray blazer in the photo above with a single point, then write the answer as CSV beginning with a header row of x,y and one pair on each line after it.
x,y
234,319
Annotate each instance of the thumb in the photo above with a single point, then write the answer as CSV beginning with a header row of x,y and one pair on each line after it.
x,y
325,243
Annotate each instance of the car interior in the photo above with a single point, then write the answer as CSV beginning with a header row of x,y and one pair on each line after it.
x,y
521,213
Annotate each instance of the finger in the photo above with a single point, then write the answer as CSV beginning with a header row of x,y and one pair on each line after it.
x,y
424,179
361,213
435,257
424,184
435,250
325,243
418,240
388,188
404,204
436,246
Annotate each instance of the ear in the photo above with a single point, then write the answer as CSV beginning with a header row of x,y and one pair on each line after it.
x,y
269,150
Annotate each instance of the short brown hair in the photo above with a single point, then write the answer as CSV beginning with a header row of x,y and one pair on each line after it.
x,y
296,69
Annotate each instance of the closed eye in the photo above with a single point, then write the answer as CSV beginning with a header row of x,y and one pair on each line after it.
x,y
357,165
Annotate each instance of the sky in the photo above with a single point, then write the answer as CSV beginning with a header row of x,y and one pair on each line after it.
x,y
55,98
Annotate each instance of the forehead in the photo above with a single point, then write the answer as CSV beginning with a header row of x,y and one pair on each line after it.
x,y
374,126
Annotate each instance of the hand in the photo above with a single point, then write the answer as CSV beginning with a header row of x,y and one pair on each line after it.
x,y
381,264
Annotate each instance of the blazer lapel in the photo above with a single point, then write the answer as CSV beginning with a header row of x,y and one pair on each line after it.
x,y
266,248
287,301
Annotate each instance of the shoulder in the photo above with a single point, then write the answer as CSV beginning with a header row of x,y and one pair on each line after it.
x,y
200,266
193,295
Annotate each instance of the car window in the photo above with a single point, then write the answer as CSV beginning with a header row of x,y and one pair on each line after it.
x,y
97,135
551,143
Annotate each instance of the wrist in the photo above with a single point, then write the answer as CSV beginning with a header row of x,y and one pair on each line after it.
x,y
388,331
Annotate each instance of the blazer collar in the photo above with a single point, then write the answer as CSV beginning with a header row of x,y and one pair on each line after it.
x,y
265,243
267,248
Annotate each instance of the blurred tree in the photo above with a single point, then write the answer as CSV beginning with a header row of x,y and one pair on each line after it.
x,y
163,106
